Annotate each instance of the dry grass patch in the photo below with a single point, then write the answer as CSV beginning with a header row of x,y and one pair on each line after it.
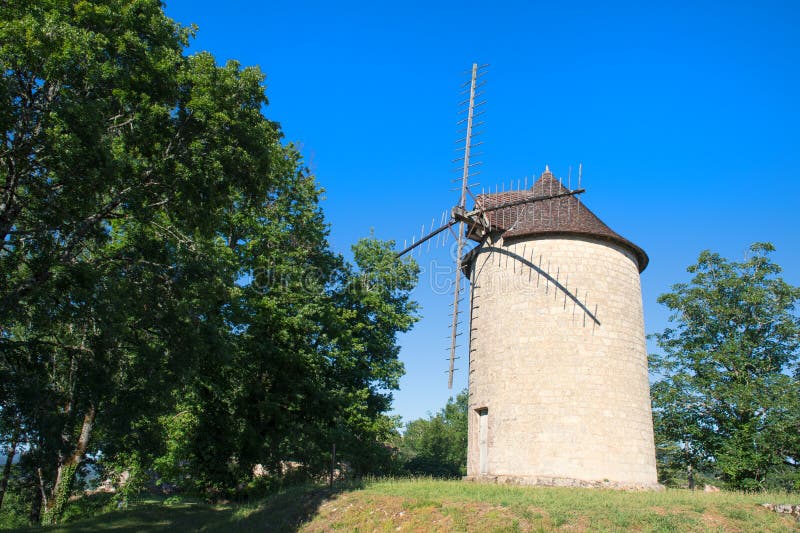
x,y
355,512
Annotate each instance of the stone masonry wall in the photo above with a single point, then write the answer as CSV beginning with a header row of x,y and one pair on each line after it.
x,y
567,396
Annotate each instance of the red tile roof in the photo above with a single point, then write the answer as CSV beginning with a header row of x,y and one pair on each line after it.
x,y
558,216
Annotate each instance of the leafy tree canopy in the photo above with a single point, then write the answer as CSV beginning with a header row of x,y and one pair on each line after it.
x,y
169,301
727,391
437,446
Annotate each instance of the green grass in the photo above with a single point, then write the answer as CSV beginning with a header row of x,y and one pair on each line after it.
x,y
432,505
604,510
283,511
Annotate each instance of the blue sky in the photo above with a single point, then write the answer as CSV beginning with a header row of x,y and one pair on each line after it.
x,y
685,116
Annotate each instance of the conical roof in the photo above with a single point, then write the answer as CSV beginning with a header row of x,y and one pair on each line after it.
x,y
557,216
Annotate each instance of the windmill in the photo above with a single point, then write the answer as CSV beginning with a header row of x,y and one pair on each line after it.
x,y
568,392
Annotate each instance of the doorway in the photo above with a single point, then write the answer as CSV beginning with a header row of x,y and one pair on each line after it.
x,y
483,440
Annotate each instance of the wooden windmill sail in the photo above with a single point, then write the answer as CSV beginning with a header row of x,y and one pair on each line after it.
x,y
477,223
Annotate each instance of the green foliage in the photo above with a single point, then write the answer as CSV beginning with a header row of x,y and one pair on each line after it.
x,y
311,368
169,301
87,507
727,395
437,446
61,495
16,506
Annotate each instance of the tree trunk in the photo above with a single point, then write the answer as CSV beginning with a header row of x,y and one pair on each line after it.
x,y
12,451
66,472
690,477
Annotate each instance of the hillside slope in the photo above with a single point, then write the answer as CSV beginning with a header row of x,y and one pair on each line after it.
x,y
430,505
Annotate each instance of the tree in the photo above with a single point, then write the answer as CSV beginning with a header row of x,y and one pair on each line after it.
x,y
437,446
727,391
122,159
312,366
168,296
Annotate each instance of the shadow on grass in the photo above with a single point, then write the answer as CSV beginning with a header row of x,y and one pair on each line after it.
x,y
287,510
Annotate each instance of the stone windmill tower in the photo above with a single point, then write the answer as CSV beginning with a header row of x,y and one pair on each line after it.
x,y
558,382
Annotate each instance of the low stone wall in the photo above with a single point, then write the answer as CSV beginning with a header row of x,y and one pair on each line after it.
x,y
781,508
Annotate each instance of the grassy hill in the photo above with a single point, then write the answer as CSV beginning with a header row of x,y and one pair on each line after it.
x,y
430,505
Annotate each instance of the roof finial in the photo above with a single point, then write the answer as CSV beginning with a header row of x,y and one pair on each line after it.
x,y
546,169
